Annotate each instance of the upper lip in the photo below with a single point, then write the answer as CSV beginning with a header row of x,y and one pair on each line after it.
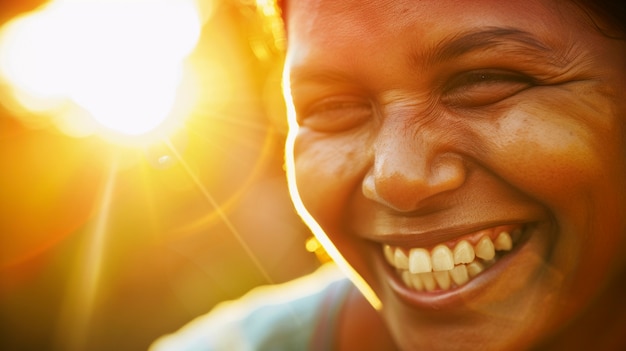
x,y
377,223
434,236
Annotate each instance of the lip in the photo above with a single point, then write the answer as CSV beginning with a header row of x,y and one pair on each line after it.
x,y
531,243
430,238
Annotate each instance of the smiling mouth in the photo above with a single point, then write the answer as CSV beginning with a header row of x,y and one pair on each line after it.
x,y
451,265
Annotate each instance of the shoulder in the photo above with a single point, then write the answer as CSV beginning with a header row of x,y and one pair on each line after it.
x,y
277,317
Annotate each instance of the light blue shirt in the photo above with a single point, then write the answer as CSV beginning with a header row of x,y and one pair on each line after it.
x,y
299,315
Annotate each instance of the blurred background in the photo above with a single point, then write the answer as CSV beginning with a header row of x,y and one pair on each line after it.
x,y
141,177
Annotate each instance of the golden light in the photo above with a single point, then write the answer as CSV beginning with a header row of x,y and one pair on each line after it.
x,y
314,226
105,66
194,87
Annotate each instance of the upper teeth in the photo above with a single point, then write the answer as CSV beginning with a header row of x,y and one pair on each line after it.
x,y
443,266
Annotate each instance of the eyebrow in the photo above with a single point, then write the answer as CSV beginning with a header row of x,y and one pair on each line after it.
x,y
483,40
511,40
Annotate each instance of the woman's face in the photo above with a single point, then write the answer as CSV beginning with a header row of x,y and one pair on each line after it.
x,y
468,159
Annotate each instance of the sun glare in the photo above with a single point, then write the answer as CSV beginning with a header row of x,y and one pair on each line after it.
x,y
101,65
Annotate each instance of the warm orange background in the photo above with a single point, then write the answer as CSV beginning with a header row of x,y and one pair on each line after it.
x,y
165,255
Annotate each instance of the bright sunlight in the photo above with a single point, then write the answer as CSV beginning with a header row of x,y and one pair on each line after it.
x,y
114,68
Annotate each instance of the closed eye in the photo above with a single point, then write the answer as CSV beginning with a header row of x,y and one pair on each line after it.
x,y
336,114
485,87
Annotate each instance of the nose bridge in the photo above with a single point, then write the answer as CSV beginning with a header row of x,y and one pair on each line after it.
x,y
401,150
414,160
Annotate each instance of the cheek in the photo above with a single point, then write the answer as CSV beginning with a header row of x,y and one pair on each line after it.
x,y
328,171
573,162
555,153
548,162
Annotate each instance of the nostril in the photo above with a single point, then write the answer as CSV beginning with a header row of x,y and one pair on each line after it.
x,y
392,191
388,192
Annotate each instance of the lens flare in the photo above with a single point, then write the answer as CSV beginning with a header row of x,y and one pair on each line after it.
x,y
121,63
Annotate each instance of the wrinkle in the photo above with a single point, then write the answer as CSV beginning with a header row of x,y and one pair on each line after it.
x,y
416,110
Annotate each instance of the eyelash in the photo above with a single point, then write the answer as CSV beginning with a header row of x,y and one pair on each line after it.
x,y
336,114
464,90
481,77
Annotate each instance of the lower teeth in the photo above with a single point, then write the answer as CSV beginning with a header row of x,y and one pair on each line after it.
x,y
445,280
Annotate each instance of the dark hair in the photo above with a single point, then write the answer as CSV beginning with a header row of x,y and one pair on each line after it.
x,y
612,11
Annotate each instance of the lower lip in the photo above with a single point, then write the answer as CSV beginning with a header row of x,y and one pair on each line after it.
x,y
457,297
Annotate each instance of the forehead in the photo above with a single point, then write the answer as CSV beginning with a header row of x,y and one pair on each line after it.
x,y
324,26
375,15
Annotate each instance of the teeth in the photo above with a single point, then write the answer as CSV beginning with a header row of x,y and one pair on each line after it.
x,y
503,242
389,255
474,268
416,282
429,281
442,258
419,261
459,274
484,249
463,253
401,260
406,278
443,268
443,279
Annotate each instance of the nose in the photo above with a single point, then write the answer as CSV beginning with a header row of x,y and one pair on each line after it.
x,y
411,166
